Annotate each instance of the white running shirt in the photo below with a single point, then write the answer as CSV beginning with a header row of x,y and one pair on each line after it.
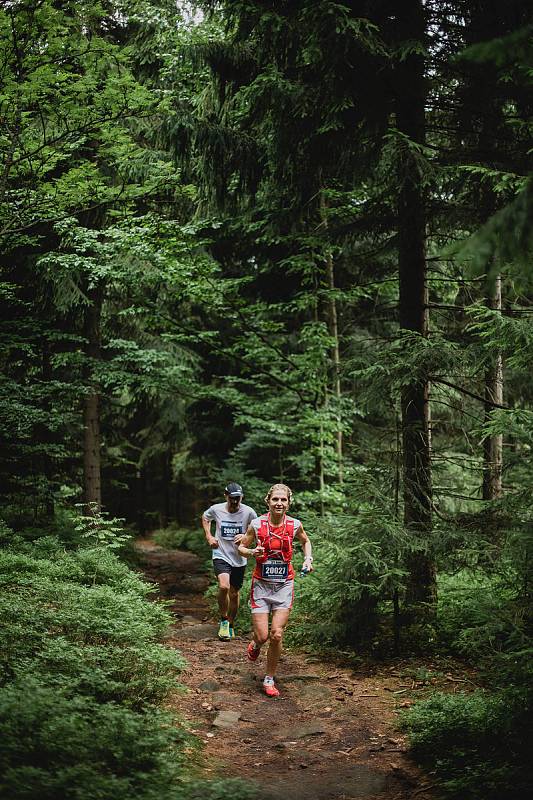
x,y
227,526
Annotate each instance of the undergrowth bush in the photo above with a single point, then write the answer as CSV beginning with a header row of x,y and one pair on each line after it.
x,y
486,620
356,560
56,743
477,744
82,673
176,538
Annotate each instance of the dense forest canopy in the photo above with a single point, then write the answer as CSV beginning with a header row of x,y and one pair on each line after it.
x,y
292,241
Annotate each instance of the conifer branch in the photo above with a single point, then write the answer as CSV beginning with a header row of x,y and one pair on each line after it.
x,y
475,396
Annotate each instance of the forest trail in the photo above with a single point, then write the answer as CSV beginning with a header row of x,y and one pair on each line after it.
x,y
329,736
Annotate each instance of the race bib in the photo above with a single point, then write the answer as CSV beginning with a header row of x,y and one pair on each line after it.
x,y
275,571
228,530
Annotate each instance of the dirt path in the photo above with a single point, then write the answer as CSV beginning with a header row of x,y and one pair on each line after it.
x,y
329,736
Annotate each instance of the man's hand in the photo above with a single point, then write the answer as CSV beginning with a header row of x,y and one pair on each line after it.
x,y
307,565
212,542
238,539
258,551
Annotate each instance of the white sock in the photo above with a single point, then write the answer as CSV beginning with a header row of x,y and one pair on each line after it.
x,y
268,680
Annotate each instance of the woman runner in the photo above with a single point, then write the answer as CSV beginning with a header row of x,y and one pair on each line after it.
x,y
273,576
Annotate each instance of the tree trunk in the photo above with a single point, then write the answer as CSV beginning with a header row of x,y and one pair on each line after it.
x,y
493,445
45,434
321,404
92,487
141,499
410,116
334,333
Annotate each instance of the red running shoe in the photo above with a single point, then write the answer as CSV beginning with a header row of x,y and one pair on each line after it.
x,y
270,688
253,652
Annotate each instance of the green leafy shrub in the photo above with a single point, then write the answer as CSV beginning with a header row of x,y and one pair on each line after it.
x,y
217,790
357,557
485,619
175,538
477,744
99,530
135,676
85,567
58,620
56,743
81,675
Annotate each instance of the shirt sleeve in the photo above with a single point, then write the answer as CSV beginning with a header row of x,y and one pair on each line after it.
x,y
210,513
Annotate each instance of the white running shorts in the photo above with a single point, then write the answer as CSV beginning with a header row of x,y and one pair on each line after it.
x,y
267,596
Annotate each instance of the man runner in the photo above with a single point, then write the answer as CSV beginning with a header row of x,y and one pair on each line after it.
x,y
273,576
231,519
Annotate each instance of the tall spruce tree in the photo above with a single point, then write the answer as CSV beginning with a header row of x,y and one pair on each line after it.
x,y
411,101
323,132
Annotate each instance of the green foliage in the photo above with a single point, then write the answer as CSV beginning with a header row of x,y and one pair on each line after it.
x,y
66,83
477,744
81,669
84,615
358,557
81,676
216,790
55,742
96,528
242,346
175,538
76,217
486,619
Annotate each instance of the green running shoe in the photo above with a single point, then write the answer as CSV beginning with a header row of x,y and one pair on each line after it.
x,y
224,630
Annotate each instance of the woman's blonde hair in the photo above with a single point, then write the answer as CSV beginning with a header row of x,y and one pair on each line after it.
x,y
274,488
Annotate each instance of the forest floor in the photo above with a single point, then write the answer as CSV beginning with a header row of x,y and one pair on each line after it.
x,y
331,735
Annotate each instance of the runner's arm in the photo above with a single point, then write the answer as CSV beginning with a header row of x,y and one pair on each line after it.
x,y
244,545
304,540
206,524
240,536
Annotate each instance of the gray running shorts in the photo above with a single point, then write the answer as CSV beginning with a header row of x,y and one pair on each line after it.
x,y
267,596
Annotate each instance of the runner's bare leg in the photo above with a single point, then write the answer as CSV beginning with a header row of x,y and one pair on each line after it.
x,y
223,594
233,606
260,623
277,626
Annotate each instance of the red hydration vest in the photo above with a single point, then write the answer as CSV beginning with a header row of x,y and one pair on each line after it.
x,y
276,541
